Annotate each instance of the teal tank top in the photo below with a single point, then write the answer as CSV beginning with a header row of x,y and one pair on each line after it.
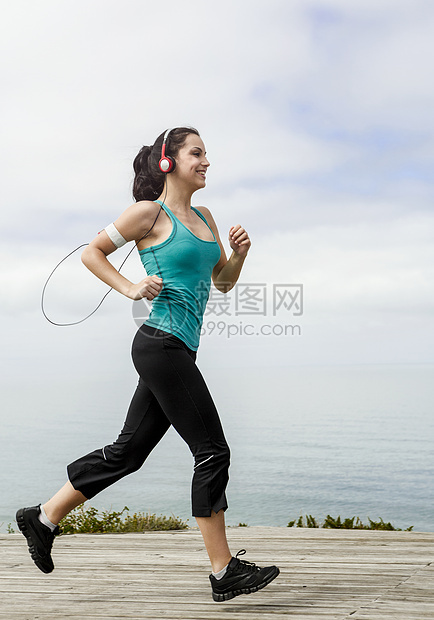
x,y
185,264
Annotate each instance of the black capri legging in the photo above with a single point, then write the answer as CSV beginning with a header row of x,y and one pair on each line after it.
x,y
171,391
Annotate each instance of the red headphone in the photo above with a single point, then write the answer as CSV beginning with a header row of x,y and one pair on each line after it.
x,y
167,164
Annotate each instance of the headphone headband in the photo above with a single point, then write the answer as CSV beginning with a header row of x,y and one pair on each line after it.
x,y
166,136
167,164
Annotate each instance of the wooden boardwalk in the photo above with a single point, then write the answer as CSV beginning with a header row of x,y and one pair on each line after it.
x,y
325,574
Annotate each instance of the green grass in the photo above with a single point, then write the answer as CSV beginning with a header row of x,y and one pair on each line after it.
x,y
352,523
87,520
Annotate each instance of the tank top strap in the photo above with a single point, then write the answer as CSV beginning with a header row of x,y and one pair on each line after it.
x,y
166,209
174,219
204,219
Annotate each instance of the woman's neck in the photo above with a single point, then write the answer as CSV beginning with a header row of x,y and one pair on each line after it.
x,y
176,198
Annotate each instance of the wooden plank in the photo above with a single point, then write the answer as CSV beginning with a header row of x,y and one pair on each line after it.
x,y
332,574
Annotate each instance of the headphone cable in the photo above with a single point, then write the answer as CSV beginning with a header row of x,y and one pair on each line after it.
x,y
110,289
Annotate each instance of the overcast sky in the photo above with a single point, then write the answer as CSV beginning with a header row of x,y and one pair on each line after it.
x,y
318,120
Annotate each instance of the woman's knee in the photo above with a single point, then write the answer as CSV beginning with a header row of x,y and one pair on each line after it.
x,y
224,455
214,456
128,460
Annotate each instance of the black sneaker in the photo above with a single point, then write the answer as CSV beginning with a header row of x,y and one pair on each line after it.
x,y
241,577
39,537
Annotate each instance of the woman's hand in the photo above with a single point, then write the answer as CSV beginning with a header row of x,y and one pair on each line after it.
x,y
239,240
148,288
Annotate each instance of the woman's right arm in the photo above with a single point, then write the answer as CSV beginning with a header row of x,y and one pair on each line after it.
x,y
133,224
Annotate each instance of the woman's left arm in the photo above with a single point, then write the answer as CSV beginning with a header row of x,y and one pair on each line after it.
x,y
226,272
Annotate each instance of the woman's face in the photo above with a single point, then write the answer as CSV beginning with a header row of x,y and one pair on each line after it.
x,y
191,162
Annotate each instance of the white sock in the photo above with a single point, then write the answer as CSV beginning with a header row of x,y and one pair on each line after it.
x,y
221,572
45,520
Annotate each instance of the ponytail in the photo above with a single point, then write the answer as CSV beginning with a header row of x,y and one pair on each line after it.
x,y
148,183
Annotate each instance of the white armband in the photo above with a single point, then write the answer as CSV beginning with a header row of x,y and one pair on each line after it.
x,y
115,235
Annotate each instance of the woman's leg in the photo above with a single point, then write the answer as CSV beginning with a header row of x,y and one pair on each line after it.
x,y
184,397
144,426
214,535
65,500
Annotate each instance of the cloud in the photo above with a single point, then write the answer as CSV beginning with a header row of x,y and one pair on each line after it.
x,y
354,267
316,116
310,91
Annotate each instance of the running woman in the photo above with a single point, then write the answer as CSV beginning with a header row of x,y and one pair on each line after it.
x,y
180,248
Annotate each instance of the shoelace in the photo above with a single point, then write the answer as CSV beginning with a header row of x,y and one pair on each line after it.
x,y
244,565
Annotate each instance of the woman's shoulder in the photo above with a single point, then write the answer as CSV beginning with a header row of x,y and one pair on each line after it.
x,y
136,218
208,216
205,212
145,206
141,209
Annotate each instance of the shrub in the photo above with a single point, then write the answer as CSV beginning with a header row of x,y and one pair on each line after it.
x,y
353,523
87,520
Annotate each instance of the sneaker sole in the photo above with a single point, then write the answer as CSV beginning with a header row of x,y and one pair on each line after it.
x,y
23,528
227,596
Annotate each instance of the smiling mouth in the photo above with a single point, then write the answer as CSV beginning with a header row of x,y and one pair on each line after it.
x,y
202,173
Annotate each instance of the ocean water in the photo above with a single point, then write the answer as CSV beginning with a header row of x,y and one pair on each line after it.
x,y
339,440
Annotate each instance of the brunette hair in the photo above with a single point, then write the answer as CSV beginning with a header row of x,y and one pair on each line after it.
x,y
149,180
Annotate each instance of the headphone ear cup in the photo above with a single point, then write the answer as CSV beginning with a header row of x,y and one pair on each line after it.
x,y
167,164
